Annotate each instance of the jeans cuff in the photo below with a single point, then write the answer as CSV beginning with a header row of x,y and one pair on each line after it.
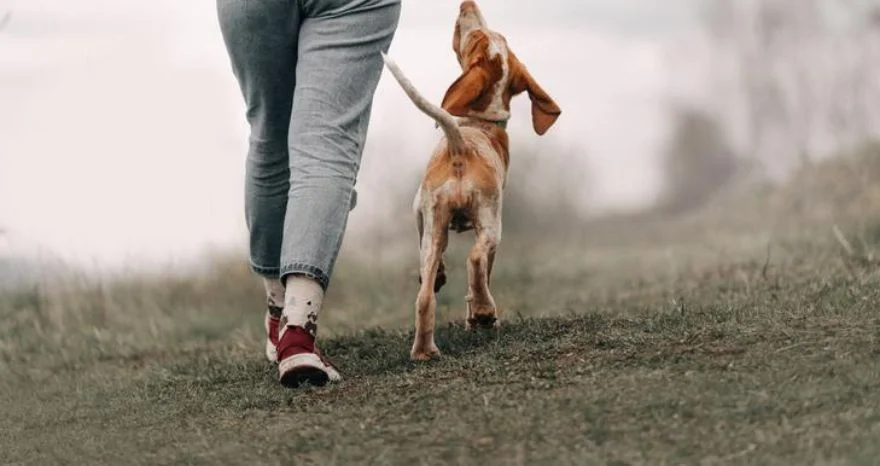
x,y
312,272
268,272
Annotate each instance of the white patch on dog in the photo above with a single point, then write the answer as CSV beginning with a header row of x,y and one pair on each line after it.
x,y
489,218
470,22
498,48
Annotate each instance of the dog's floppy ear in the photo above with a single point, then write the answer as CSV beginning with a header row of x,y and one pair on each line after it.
x,y
544,109
466,89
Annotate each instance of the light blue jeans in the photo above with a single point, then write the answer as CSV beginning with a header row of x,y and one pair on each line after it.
x,y
308,70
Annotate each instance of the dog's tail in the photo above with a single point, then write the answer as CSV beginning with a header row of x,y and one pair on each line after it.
x,y
443,118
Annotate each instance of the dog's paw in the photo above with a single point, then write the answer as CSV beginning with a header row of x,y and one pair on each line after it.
x,y
483,321
424,354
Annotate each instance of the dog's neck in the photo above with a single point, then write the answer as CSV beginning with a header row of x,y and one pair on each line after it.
x,y
499,123
482,122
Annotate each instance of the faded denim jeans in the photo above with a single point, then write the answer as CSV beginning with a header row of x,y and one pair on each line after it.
x,y
308,70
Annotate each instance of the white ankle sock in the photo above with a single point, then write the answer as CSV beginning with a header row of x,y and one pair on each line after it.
x,y
274,295
303,298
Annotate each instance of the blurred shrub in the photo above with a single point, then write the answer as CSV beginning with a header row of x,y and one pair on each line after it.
x,y
698,162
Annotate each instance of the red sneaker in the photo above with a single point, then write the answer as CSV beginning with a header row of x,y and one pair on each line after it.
x,y
299,361
272,322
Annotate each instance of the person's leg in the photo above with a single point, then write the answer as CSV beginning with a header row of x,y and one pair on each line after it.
x,y
338,69
261,39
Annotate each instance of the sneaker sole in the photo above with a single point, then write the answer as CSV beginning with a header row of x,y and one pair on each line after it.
x,y
306,368
295,378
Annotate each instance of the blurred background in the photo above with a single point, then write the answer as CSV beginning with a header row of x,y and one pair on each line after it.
x,y
689,273
122,131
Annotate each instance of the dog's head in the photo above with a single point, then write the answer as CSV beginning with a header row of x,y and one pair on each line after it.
x,y
492,75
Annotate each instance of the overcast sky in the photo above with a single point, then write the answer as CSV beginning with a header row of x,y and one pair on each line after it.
x,y
122,133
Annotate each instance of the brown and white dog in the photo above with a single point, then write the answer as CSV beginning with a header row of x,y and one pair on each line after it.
x,y
463,185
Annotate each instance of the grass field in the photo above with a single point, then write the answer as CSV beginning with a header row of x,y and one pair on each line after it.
x,y
747,333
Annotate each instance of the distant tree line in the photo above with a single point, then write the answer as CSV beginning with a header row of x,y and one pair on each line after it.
x,y
792,81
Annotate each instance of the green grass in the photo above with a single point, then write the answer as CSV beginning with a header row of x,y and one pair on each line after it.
x,y
728,337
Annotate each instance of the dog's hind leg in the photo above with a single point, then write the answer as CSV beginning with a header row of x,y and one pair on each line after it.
x,y
481,309
441,269
435,237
